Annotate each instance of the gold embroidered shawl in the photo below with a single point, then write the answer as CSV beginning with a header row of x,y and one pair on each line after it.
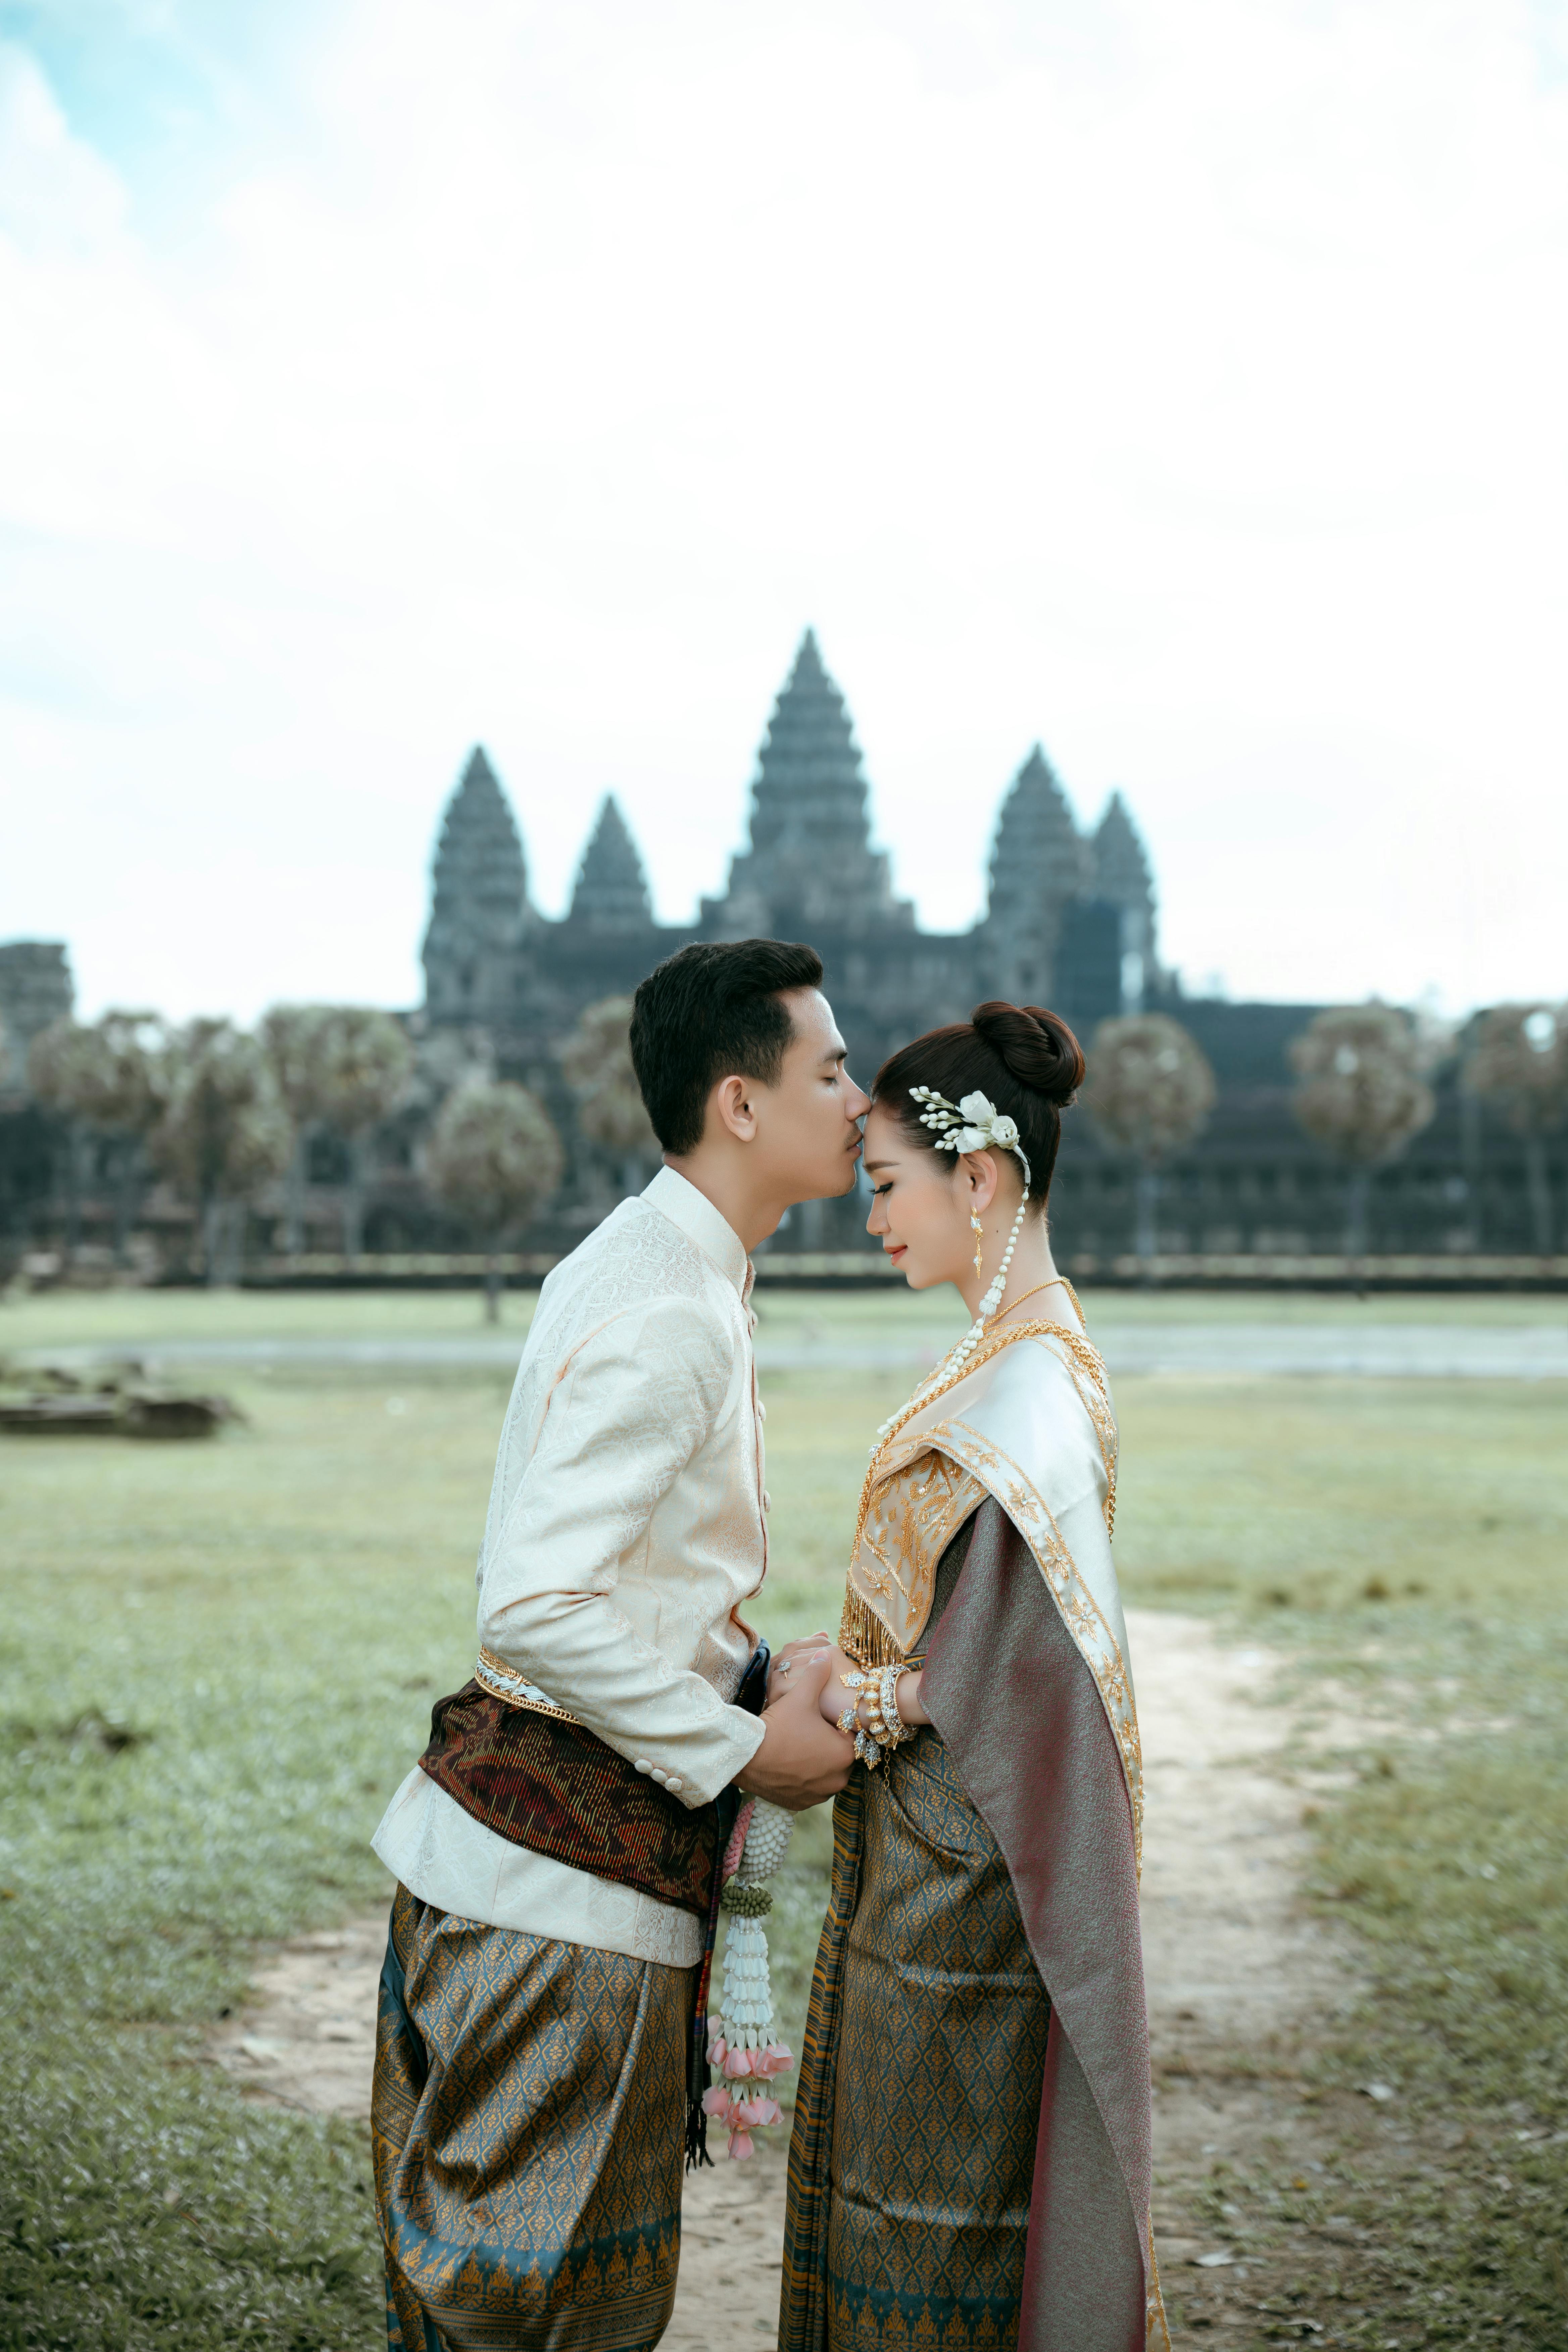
x,y
1030,1421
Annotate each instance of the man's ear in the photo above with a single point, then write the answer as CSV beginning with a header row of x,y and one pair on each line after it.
x,y
731,1104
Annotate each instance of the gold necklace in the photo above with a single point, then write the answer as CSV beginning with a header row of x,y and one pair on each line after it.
x,y
1017,1302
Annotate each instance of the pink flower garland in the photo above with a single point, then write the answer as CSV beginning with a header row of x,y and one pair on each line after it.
x,y
739,2112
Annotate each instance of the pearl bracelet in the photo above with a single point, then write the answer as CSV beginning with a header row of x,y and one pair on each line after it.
x,y
886,1729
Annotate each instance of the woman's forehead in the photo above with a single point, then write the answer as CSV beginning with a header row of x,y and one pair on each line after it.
x,y
886,1139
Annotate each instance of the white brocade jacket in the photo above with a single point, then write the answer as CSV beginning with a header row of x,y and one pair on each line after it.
x,y
627,1524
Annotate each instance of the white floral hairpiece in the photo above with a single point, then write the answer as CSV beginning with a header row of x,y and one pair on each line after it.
x,y
973,1125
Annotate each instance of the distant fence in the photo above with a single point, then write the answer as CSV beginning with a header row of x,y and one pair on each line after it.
x,y
1449,1271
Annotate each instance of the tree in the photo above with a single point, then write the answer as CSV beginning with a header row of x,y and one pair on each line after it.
x,y
1149,1090
343,1065
288,1036
493,1157
596,1059
1518,1059
1360,1093
105,1079
223,1131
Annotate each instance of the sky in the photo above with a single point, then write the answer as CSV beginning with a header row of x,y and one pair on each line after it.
x,y
1181,388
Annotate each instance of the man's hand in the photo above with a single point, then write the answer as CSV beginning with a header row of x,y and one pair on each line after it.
x,y
802,1761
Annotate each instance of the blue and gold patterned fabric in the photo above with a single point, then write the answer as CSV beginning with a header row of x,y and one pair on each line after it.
x,y
912,2157
527,2122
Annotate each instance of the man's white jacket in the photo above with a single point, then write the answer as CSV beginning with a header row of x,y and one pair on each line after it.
x,y
627,1524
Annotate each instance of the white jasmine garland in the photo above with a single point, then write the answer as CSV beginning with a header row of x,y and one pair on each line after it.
x,y
744,2044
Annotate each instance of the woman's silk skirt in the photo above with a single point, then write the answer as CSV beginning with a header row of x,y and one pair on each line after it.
x,y
914,2153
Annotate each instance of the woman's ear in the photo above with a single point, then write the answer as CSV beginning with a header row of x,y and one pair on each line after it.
x,y
980,1174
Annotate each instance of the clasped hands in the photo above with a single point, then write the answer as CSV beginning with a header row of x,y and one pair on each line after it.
x,y
805,1756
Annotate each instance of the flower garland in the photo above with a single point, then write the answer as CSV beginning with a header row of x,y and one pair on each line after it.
x,y
744,2044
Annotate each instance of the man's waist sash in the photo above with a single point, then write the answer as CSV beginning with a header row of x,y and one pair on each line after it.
x,y
540,1778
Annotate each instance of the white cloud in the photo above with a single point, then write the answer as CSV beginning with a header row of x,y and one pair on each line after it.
x,y
55,193
1181,388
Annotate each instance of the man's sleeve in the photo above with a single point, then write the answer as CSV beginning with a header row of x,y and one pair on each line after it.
x,y
629,1410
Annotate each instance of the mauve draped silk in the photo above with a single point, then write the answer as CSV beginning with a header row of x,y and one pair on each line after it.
x,y
1026,1681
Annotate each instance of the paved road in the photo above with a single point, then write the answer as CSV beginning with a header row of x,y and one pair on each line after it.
x,y
1372,1352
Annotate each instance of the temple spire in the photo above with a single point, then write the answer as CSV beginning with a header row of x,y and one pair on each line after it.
x,y
1122,875
810,865
612,887
1039,859
1039,864
480,910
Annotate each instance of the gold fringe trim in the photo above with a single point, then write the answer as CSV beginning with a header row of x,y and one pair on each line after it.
x,y
863,1636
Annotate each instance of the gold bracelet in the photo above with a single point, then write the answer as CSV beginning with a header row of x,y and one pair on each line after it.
x,y
895,1729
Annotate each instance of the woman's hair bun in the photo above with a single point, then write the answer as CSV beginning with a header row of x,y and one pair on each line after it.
x,y
1038,1048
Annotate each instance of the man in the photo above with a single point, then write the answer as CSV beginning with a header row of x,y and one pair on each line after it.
x,y
558,1845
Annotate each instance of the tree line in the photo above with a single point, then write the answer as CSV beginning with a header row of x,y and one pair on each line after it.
x,y
222,1113
1362,1091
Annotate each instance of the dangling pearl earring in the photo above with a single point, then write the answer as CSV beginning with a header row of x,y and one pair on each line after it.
x,y
993,1299
979,1232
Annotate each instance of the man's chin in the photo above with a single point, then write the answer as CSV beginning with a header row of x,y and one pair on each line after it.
x,y
832,1183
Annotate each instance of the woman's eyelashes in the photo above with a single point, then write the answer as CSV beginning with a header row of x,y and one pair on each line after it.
x,y
878,1190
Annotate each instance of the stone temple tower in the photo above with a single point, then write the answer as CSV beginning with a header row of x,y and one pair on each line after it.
x,y
1039,865
36,989
810,868
612,889
1122,875
479,913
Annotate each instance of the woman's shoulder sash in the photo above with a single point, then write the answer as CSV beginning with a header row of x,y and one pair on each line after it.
x,y
1039,1436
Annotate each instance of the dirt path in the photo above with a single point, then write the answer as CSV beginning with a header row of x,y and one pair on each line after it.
x,y
1237,1975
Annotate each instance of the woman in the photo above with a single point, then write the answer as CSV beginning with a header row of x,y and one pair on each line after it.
x,y
970,2163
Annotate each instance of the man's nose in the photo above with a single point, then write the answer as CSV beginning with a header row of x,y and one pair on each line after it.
x,y
860,1104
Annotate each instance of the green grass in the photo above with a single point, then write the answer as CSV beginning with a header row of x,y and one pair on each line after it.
x,y
259,1622
121,1318
217,1661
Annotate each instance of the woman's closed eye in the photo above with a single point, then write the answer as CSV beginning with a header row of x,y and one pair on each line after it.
x,y
878,1190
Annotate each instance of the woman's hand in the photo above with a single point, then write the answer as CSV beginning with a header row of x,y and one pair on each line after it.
x,y
807,1651
835,1698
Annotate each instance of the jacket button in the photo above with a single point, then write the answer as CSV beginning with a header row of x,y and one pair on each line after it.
x,y
762,1410
767,1500
673,1782
642,1765
661,1778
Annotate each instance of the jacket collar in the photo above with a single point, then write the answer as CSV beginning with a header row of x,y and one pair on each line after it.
x,y
675,1198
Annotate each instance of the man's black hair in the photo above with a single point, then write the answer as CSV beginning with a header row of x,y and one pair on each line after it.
x,y
711,1011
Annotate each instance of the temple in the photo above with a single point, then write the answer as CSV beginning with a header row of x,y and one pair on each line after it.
x,y
1069,919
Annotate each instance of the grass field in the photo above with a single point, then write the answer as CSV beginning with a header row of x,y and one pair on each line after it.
x,y
120,1318
218,1660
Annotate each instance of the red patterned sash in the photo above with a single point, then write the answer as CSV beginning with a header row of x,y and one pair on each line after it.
x,y
554,1787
